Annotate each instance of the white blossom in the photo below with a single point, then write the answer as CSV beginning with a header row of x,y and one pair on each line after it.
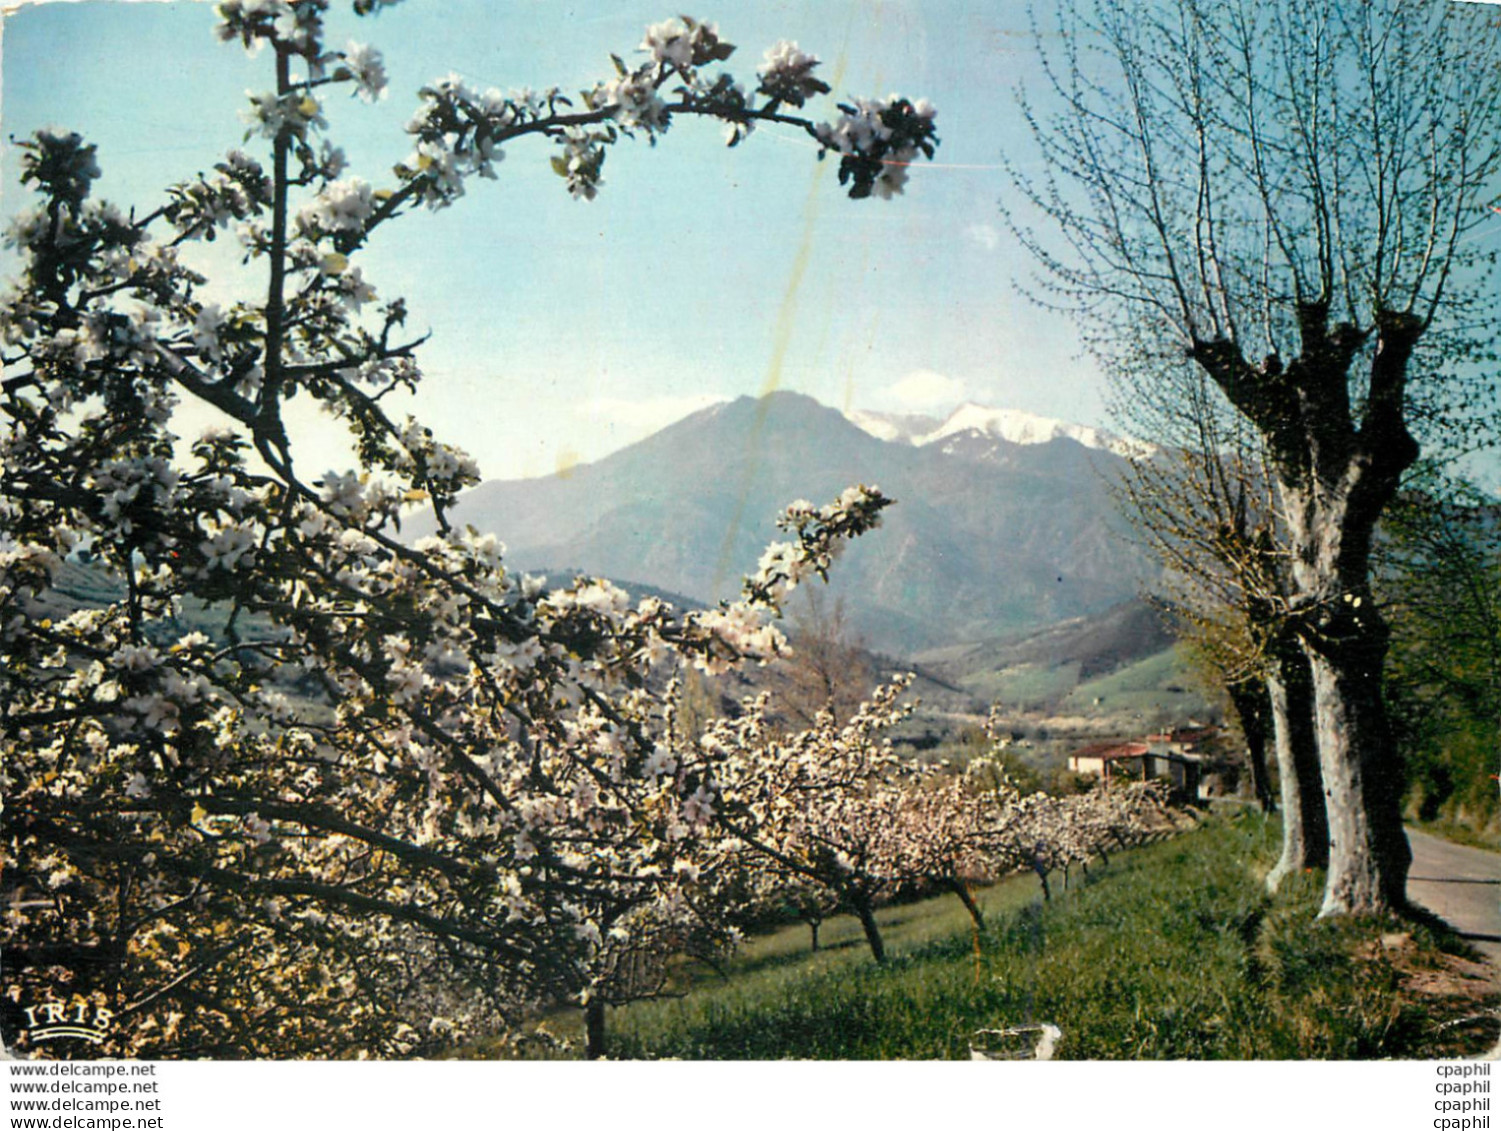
x,y
206,329
669,42
228,548
635,100
435,163
296,112
698,808
786,74
343,493
341,206
368,69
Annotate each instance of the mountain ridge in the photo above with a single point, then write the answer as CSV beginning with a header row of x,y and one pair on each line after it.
x,y
972,548
1015,426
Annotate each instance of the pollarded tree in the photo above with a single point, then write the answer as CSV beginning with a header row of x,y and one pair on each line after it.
x,y
276,781
1204,505
1289,193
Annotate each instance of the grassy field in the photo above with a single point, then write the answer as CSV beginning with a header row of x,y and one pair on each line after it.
x,y
1170,952
1156,691
1026,686
1160,685
1487,837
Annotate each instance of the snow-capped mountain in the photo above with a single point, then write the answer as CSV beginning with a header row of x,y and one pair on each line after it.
x,y
976,544
894,427
969,425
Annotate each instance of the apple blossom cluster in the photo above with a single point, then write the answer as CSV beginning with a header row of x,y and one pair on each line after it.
x,y
61,166
878,140
685,44
787,75
238,191
278,782
292,25
273,115
366,68
785,565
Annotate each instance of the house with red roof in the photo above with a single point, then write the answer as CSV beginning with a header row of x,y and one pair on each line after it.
x,y
1110,759
1177,756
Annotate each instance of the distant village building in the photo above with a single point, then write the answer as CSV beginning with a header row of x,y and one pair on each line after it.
x,y
1177,756
1184,740
1109,759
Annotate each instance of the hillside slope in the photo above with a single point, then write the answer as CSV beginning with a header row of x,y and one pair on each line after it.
x,y
972,548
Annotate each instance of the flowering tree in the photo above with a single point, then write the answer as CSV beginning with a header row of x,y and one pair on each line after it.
x,y
819,807
832,818
1010,829
286,784
941,829
1120,815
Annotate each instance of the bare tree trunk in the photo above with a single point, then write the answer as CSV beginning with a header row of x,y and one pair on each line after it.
x,y
594,1029
1368,850
867,914
1249,698
1334,478
1042,874
1332,505
813,925
1305,827
961,889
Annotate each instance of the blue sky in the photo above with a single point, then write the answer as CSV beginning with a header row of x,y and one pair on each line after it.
x,y
563,329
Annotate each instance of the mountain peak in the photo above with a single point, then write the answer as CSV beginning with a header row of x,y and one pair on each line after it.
x,y
977,545
1012,425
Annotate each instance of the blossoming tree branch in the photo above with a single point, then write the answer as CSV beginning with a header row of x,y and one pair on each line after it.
x,y
287,784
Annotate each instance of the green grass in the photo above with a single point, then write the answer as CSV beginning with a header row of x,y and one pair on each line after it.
x,y
1158,688
766,964
1487,837
1025,686
1159,685
1171,952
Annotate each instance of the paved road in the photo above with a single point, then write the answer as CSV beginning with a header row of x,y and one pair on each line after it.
x,y
1461,885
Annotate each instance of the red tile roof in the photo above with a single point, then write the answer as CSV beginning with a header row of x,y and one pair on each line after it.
x,y
1109,751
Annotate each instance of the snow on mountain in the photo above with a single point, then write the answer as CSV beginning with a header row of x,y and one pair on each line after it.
x,y
972,421
893,427
976,545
